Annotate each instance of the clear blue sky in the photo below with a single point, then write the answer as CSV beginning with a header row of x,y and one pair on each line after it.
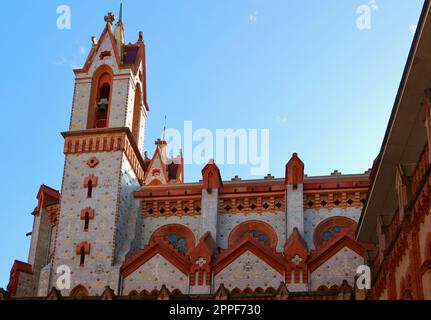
x,y
300,68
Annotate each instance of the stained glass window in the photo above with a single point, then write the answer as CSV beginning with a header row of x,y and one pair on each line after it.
x,y
329,233
178,242
259,236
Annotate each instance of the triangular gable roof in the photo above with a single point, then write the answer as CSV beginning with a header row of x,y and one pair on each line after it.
x,y
157,154
295,244
95,49
326,251
140,55
248,243
206,248
158,246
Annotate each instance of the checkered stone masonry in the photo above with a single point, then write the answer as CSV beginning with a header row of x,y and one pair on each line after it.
x,y
248,271
153,274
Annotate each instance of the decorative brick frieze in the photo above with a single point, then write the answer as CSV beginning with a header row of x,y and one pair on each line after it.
x,y
260,203
106,140
166,208
330,200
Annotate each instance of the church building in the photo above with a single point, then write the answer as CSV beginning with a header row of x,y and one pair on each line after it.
x,y
128,226
396,217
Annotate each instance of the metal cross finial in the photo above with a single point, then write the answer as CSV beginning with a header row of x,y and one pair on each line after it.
x,y
110,18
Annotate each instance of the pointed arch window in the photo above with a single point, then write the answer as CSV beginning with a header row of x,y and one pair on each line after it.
x,y
86,221
90,189
82,249
87,214
81,256
102,106
90,182
101,93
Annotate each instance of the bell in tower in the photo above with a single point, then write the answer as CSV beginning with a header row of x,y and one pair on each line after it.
x,y
102,107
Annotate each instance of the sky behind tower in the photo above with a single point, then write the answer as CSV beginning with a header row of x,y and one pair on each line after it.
x,y
305,70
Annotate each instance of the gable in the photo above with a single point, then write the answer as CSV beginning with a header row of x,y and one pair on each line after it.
x,y
265,253
153,274
248,271
339,267
158,246
156,170
324,253
104,52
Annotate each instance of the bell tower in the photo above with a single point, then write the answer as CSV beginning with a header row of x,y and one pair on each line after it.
x,y
99,222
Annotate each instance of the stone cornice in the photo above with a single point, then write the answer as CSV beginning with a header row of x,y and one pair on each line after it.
x,y
106,140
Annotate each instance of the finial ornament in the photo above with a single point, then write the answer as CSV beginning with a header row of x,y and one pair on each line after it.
x,y
141,36
109,18
121,13
164,130
93,41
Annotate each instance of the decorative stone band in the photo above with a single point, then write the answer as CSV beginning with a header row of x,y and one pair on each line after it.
x,y
106,140
253,202
166,207
342,198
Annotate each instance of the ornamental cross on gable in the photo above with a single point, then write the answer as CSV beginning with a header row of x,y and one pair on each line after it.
x,y
110,17
296,260
200,262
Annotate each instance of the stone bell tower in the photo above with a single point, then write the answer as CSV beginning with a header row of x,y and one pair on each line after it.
x,y
99,220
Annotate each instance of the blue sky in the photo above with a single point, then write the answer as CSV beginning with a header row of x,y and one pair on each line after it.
x,y
302,69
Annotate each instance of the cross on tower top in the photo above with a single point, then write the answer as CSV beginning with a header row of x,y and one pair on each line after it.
x,y
109,18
